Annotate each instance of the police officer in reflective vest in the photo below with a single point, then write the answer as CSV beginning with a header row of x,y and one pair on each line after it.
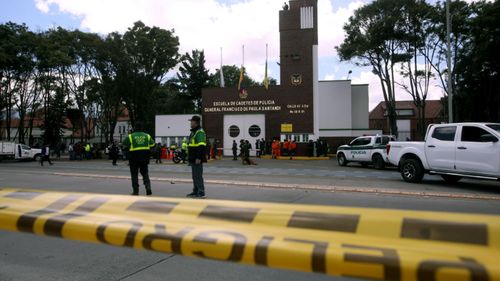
x,y
184,149
139,145
196,156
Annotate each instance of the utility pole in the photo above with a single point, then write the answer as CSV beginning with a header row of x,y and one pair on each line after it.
x,y
448,58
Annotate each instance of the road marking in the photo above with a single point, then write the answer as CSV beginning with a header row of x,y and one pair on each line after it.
x,y
325,188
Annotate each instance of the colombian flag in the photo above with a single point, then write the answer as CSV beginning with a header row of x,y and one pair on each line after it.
x,y
266,79
241,85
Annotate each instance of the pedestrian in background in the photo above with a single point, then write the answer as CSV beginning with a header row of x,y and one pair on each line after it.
x,y
139,146
310,148
184,150
292,148
235,151
45,155
157,152
257,148
113,152
196,157
286,146
71,151
247,147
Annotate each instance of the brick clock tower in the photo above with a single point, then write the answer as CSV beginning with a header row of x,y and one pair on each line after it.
x,y
299,58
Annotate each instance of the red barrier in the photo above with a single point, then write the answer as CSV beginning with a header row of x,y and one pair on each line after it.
x,y
164,153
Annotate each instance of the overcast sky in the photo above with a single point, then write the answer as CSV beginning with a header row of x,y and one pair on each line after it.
x,y
207,25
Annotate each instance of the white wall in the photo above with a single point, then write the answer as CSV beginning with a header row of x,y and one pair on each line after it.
x,y
335,105
172,125
172,128
360,106
122,130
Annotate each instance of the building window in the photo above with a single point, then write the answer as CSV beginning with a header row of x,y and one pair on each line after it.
x,y
305,138
234,131
306,17
254,131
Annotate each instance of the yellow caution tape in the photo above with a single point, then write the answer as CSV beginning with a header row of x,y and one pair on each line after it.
x,y
356,242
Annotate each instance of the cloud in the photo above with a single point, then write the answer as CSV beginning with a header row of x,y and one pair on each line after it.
x,y
208,25
331,23
329,76
42,5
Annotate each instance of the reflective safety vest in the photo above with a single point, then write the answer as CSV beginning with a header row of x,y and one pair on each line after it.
x,y
198,139
140,141
184,145
87,148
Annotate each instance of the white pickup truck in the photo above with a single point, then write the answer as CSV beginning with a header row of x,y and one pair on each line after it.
x,y
19,151
453,151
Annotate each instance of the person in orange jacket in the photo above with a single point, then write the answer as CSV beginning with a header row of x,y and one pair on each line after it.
x,y
292,148
275,148
286,146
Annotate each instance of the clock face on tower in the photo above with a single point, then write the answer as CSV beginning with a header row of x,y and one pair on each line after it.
x,y
296,79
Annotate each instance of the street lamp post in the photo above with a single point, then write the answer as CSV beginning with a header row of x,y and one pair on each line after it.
x,y
448,59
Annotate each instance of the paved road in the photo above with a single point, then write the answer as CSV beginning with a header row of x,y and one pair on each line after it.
x,y
26,257
288,172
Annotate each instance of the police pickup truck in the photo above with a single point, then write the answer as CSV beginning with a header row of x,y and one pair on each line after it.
x,y
19,151
452,151
365,150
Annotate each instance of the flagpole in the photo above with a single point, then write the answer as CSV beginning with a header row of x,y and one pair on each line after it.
x,y
243,53
266,52
222,83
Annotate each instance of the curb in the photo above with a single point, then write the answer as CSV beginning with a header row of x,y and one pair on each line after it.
x,y
306,187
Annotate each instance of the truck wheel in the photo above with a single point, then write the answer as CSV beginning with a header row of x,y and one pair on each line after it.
x,y
412,170
341,159
451,178
38,157
378,162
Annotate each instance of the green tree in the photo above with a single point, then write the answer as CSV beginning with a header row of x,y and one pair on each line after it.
x,y
374,38
231,77
421,48
55,119
193,76
147,54
478,67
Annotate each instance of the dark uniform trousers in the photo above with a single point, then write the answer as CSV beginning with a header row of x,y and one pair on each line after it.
x,y
139,161
198,183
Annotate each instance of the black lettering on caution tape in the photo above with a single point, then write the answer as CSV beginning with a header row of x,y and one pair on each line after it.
x,y
318,253
159,207
26,222
323,221
237,247
229,213
458,232
428,270
129,238
161,234
389,260
54,225
24,194
261,250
